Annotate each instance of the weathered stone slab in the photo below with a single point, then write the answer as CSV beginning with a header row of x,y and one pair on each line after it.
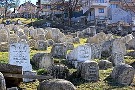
x,y
42,60
59,50
123,74
90,71
56,84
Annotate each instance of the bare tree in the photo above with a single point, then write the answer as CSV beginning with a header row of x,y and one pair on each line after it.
x,y
67,6
128,5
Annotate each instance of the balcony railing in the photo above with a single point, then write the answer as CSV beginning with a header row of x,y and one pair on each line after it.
x,y
99,3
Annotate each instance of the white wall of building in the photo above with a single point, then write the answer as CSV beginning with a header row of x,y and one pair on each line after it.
x,y
118,14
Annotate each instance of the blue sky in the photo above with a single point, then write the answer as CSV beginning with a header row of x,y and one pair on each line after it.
x,y
33,1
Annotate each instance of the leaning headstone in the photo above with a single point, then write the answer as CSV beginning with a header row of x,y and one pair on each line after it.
x,y
90,71
56,84
19,55
42,60
2,82
59,50
123,74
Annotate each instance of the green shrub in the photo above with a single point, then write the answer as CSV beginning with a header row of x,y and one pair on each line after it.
x,y
42,72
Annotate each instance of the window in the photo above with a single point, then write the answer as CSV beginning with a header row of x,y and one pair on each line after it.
x,y
114,6
101,10
100,1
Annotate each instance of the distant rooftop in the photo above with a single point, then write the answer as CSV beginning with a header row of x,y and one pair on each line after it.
x,y
114,0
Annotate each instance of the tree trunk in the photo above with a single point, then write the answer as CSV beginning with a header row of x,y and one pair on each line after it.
x,y
69,16
6,9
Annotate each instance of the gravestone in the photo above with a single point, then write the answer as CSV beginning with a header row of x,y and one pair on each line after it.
x,y
56,84
13,39
84,53
19,55
123,74
118,46
76,40
4,46
3,37
79,54
70,46
1,26
26,31
24,37
42,60
2,82
41,45
90,71
96,50
59,50
118,52
118,58
32,43
59,71
20,32
41,37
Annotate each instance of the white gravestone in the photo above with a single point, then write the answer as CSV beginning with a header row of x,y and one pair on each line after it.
x,y
80,54
19,55
84,53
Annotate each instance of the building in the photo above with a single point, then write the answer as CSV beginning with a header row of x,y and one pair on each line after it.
x,y
117,12
95,9
48,7
27,9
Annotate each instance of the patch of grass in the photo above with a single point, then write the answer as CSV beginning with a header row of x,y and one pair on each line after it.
x,y
82,42
29,86
129,59
24,20
4,57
